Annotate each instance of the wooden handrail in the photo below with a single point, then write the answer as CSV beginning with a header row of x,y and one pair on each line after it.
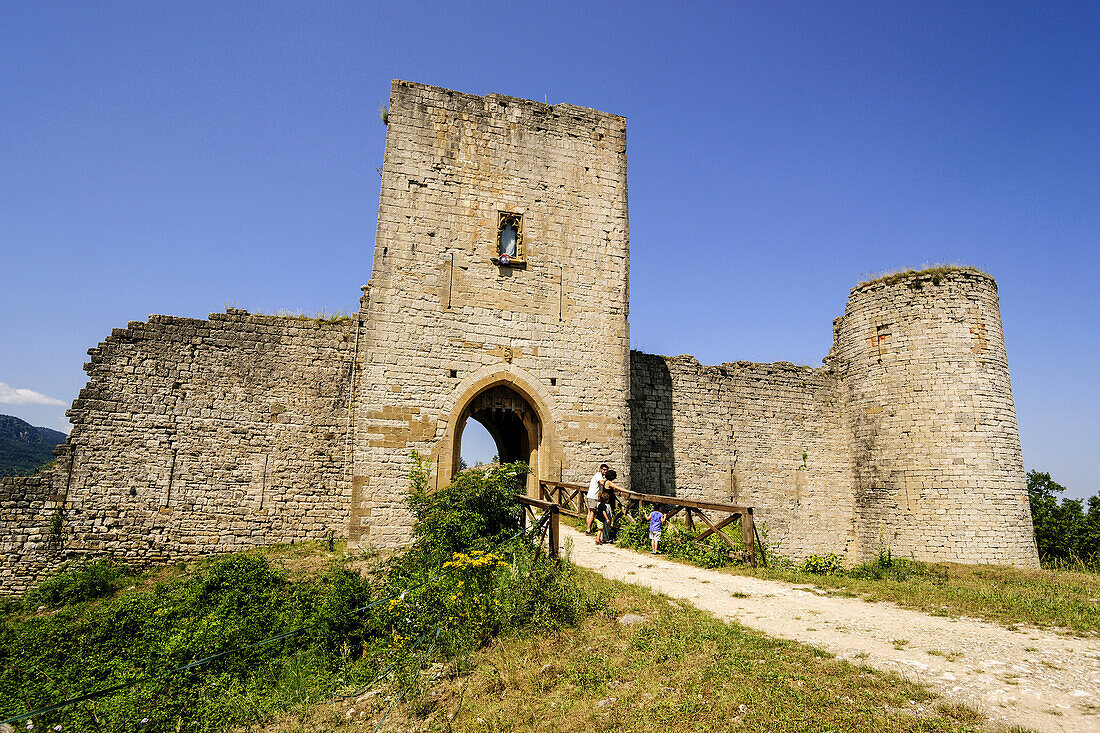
x,y
692,510
544,505
526,504
564,486
708,506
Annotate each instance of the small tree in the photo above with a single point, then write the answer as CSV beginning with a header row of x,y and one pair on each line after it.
x,y
1064,532
478,509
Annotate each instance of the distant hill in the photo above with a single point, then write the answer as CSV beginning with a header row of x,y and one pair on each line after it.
x,y
23,447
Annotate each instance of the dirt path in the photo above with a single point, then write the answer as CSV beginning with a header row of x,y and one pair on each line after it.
x,y
1029,677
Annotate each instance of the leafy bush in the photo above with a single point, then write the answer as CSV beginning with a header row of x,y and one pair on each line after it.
x,y
829,565
1066,535
676,541
143,633
478,510
542,594
77,582
467,577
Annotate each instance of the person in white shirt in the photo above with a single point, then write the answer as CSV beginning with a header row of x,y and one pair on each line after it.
x,y
592,498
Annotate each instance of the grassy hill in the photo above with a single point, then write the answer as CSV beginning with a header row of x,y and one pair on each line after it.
x,y
631,662
25,448
470,630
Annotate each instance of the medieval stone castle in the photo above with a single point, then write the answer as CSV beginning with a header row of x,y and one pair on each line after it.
x,y
500,292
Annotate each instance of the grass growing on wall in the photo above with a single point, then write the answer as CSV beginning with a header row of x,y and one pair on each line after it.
x,y
932,273
323,316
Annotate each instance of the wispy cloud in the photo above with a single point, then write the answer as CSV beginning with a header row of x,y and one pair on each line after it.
x,y
10,395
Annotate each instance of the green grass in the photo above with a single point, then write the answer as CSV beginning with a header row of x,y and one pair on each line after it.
x,y
678,670
933,274
1008,595
1061,599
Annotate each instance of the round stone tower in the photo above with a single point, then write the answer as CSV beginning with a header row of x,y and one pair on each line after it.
x,y
938,472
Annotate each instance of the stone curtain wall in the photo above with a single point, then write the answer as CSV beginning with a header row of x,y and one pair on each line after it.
x,y
938,471
444,320
194,437
909,432
30,530
769,436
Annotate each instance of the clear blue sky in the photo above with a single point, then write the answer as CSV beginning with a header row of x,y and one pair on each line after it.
x,y
180,157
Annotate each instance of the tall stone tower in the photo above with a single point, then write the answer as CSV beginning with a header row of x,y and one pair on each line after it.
x,y
937,467
499,292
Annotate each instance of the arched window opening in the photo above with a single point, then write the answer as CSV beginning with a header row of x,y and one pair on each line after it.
x,y
509,239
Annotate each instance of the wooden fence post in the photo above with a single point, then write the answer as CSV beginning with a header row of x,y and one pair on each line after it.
x,y
553,539
748,535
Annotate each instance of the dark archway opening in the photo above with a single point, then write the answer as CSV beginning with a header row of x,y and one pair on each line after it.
x,y
510,421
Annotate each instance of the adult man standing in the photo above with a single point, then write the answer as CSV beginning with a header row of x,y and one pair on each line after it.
x,y
592,498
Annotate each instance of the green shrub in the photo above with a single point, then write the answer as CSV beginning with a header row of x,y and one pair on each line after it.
x,y
143,633
828,565
478,510
676,541
542,594
467,577
77,582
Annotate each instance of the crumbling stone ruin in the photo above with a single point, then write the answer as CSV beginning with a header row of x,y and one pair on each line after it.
x,y
500,292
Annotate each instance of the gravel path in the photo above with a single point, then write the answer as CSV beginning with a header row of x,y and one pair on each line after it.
x,y
1030,677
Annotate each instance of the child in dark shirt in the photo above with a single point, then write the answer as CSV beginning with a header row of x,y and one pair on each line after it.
x,y
604,516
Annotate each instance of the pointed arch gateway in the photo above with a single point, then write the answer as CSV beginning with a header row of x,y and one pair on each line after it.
x,y
518,419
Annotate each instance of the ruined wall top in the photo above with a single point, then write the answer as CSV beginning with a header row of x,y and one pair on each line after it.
x,y
465,101
916,279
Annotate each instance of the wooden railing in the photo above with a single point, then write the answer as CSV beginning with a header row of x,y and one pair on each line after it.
x,y
570,497
549,525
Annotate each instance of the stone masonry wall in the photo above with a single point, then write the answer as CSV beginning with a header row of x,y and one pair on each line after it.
x,y
769,436
194,437
937,466
444,321
30,530
906,440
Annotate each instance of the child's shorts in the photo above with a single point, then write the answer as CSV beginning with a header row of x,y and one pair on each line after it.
x,y
654,535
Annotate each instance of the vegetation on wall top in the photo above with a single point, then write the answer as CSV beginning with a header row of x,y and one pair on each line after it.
x,y
934,274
